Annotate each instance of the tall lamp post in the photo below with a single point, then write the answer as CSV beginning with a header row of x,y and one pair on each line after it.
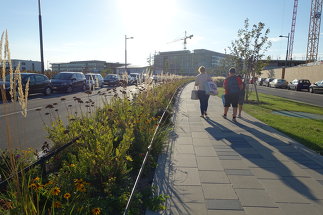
x,y
283,72
41,39
125,51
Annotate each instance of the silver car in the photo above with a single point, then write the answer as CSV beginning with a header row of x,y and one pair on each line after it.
x,y
94,80
278,83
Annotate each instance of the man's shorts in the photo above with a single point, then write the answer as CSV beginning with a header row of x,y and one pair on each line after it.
x,y
241,98
231,99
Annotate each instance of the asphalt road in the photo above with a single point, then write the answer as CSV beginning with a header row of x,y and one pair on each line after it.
x,y
30,132
300,96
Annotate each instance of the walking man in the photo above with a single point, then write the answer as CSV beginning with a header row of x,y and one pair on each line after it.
x,y
232,86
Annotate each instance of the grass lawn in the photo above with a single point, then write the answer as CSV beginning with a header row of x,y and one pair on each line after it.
x,y
306,131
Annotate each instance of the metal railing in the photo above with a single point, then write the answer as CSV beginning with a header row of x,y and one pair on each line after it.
x,y
41,161
147,154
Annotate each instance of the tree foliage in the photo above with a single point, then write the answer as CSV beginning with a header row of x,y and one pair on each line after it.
x,y
248,50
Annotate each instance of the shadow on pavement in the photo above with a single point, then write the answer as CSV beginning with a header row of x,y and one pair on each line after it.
x,y
242,144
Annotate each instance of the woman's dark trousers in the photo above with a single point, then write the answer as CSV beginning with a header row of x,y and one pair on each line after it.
x,y
204,101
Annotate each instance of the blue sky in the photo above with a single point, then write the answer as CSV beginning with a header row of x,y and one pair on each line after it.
x,y
95,30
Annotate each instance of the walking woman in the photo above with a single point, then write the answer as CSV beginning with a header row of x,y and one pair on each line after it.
x,y
200,82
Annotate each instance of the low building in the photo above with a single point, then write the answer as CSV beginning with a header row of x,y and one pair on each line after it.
x,y
79,66
25,65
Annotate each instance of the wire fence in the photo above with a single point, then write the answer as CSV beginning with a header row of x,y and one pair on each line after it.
x,y
148,152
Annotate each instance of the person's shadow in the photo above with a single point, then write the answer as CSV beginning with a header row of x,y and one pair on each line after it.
x,y
240,143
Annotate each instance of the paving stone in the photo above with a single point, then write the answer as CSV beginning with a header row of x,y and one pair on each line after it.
x,y
299,209
183,134
214,177
238,172
184,160
315,173
195,119
184,141
224,204
197,128
254,198
233,164
309,164
243,151
180,208
201,135
182,129
252,156
186,176
204,151
222,147
239,146
208,163
218,191
188,194
268,173
293,169
228,157
225,212
259,163
309,187
184,149
263,211
227,153
202,142
244,182
283,190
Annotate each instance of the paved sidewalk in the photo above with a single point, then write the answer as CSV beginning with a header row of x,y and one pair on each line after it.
x,y
215,166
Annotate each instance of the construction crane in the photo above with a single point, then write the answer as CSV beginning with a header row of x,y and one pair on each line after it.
x,y
314,31
292,31
184,38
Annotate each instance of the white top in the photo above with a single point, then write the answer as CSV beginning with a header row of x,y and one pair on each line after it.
x,y
201,79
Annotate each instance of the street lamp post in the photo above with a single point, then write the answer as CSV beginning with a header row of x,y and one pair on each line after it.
x,y
283,72
41,39
125,51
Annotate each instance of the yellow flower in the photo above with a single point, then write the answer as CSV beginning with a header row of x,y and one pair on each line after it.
x,y
80,187
36,186
67,195
72,165
96,211
57,204
36,179
56,191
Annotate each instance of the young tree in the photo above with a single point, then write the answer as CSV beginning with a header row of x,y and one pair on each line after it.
x,y
248,51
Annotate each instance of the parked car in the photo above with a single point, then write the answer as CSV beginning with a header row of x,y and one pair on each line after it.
x,y
278,83
94,80
317,87
260,81
113,80
38,83
267,81
69,81
300,84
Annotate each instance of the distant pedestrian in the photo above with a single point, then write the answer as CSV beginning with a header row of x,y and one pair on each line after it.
x,y
241,96
200,82
232,86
